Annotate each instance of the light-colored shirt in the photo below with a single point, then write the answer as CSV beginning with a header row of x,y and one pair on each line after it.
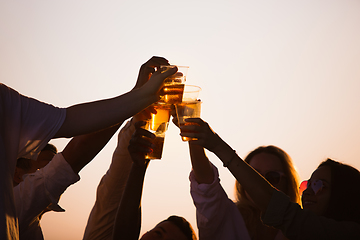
x,y
39,193
26,125
111,187
217,216
302,224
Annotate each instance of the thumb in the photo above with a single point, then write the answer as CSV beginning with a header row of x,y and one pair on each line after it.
x,y
166,72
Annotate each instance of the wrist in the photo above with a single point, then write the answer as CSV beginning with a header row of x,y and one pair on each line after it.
x,y
149,92
146,96
219,146
141,166
228,160
224,152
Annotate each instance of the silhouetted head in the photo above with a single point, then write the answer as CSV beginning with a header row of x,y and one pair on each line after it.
x,y
26,166
174,227
276,166
333,191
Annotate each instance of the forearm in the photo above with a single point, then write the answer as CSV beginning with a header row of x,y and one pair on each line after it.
x,y
200,164
110,189
82,149
127,221
41,188
121,161
255,185
89,117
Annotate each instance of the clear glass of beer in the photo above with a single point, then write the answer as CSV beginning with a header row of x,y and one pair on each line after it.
x,y
191,93
186,110
173,89
158,125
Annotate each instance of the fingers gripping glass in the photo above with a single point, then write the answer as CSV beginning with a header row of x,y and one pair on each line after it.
x,y
187,110
274,177
316,185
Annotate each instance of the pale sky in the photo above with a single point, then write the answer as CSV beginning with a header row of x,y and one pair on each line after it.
x,y
275,72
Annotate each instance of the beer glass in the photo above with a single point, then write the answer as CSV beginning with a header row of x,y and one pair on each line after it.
x,y
191,93
186,110
173,89
158,124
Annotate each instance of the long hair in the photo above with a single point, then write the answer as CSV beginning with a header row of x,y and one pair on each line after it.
x,y
344,204
249,210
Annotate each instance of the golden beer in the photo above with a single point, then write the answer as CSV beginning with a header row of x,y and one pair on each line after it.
x,y
172,94
158,124
157,150
186,110
187,124
162,116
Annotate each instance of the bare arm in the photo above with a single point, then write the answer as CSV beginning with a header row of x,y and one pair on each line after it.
x,y
82,149
200,164
128,219
254,184
89,117
112,185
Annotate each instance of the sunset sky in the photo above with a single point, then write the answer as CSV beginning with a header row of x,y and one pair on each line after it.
x,y
277,72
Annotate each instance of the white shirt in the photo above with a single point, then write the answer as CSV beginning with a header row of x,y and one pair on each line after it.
x,y
39,193
26,125
111,187
217,216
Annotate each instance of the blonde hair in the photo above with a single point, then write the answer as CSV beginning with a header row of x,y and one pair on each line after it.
x,y
247,208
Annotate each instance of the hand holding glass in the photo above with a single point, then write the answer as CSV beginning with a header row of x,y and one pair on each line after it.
x,y
158,141
158,124
173,89
186,110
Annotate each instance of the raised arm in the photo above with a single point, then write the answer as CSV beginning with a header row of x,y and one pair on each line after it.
x,y
254,184
201,165
110,189
112,185
93,116
128,219
82,149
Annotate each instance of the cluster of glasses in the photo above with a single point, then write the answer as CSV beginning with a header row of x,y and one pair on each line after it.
x,y
177,95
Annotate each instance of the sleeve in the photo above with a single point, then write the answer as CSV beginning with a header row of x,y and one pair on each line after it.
x,y
29,124
217,216
40,122
42,188
297,223
110,189
26,125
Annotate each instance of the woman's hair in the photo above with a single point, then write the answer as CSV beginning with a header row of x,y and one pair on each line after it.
x,y
344,202
183,225
249,210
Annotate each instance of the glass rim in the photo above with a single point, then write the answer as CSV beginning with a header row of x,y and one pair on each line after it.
x,y
192,86
189,102
172,65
